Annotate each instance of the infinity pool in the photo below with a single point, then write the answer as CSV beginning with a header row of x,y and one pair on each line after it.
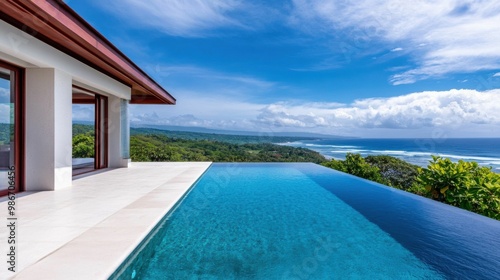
x,y
305,221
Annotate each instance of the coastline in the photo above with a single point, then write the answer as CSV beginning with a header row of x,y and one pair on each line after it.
x,y
414,151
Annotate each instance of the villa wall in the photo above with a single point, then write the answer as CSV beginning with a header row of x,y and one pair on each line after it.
x,y
50,75
48,129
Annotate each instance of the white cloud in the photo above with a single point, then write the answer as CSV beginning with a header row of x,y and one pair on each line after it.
x,y
463,111
192,18
180,120
204,109
178,17
187,120
4,95
278,115
496,74
83,112
5,113
451,36
396,49
452,108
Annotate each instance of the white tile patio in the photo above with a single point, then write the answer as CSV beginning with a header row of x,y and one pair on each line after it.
x,y
87,230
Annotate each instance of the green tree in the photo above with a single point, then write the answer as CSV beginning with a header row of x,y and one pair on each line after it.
x,y
356,165
395,172
83,146
83,129
464,184
336,164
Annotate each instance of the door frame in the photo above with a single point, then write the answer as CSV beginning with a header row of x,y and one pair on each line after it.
x,y
100,128
101,132
19,127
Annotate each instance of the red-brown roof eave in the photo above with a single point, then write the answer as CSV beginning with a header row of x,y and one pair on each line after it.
x,y
55,23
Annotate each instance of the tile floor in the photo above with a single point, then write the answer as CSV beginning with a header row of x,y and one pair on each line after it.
x,y
87,230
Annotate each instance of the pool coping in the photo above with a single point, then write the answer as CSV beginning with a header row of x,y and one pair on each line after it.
x,y
97,250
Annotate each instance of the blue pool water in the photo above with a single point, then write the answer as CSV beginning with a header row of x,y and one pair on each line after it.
x,y
304,221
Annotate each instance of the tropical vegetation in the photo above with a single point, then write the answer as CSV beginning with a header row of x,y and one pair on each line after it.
x,y
462,184
153,147
83,141
83,145
6,133
227,138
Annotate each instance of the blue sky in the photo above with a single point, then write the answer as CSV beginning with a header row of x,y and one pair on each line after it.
x,y
369,68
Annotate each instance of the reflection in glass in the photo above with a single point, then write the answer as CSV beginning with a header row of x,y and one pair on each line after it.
x,y
7,140
83,137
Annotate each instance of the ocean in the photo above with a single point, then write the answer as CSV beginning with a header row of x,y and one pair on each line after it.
x,y
485,151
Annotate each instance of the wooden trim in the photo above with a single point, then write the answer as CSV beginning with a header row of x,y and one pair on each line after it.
x,y
87,97
55,23
19,126
82,101
97,133
101,132
105,131
21,130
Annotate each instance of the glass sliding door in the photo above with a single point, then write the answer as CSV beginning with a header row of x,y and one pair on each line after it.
x,y
10,129
90,136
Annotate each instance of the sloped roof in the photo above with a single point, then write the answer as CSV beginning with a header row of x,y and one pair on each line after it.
x,y
55,23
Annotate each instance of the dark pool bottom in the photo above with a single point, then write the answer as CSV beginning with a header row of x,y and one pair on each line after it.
x,y
304,221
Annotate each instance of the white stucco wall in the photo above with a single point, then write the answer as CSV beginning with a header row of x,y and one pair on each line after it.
x,y
48,129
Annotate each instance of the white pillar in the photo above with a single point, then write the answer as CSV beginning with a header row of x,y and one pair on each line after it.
x,y
118,128
48,129
125,137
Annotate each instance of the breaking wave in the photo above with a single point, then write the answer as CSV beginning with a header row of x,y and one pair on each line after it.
x,y
421,158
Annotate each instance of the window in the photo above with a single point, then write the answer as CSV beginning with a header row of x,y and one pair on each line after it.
x,y
11,145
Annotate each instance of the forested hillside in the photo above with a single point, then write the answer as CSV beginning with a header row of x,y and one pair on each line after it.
x,y
148,144
235,139
154,147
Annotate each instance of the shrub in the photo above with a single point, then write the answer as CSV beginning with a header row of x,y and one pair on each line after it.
x,y
395,172
83,146
463,184
355,164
